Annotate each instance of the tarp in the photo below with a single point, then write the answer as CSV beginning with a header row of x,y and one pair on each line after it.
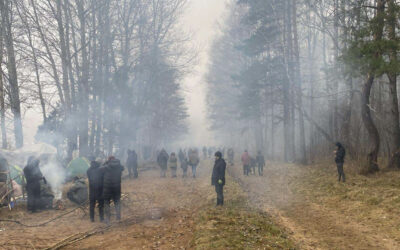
x,y
78,167
17,174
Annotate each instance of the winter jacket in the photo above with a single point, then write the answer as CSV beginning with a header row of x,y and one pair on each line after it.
x,y
173,162
260,160
96,177
162,159
245,158
340,154
218,172
132,162
112,173
32,172
193,159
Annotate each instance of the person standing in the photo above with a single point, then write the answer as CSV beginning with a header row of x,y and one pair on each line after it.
x,y
33,176
246,162
260,163
112,186
340,154
95,175
218,177
162,160
204,152
132,164
194,160
184,166
173,164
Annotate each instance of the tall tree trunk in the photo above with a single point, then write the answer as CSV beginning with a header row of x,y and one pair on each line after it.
x,y
12,74
298,89
2,104
84,86
393,118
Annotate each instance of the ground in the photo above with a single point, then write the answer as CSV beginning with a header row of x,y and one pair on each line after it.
x,y
290,207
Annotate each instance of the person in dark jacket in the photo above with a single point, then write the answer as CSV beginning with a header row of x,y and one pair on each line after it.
x,y
260,163
78,193
112,186
95,175
33,176
181,156
218,177
173,164
340,154
132,164
162,160
184,166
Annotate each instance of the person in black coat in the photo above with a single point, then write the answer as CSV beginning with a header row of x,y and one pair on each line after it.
x,y
162,160
340,154
260,163
112,186
132,164
95,175
33,176
218,177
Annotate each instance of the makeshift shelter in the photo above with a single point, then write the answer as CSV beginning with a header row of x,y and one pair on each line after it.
x,y
78,167
17,174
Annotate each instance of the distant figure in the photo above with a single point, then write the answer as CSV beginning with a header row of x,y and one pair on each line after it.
x,y
162,160
78,193
218,177
204,152
231,156
132,164
96,175
210,152
194,160
184,166
246,162
260,163
253,164
340,154
181,155
173,164
112,186
33,176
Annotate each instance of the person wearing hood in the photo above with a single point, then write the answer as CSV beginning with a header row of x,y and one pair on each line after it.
x,y
112,186
340,154
132,164
162,160
33,176
95,175
218,177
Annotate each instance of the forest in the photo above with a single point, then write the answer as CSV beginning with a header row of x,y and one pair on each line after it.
x,y
294,77
105,74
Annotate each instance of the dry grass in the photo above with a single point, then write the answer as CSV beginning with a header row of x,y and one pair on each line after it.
x,y
237,226
372,200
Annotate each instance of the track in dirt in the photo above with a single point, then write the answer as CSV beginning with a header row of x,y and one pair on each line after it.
x,y
312,225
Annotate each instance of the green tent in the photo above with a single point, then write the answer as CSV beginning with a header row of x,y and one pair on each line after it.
x,y
78,167
17,174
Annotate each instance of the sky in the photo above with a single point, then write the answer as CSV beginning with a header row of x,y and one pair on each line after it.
x,y
200,19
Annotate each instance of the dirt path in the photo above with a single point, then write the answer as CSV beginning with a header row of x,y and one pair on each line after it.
x,y
313,225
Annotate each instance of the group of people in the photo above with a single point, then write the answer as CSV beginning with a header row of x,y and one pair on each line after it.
x,y
191,158
250,163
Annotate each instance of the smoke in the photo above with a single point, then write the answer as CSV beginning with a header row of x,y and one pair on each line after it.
x,y
55,175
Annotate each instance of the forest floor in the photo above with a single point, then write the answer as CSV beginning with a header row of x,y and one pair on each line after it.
x,y
321,213
157,213
290,207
